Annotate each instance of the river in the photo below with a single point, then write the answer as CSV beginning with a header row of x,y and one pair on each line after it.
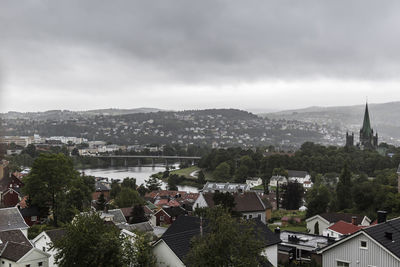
x,y
140,173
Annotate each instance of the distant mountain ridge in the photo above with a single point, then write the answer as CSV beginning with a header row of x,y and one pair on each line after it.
x,y
384,117
68,114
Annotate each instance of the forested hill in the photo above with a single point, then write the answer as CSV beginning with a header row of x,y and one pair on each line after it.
x,y
384,118
223,127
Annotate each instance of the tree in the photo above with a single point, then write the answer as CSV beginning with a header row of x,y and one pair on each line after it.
x,y
153,184
75,152
142,190
91,242
141,253
222,172
101,202
226,200
51,177
138,215
317,199
343,189
127,198
241,174
129,182
292,195
201,179
115,189
226,242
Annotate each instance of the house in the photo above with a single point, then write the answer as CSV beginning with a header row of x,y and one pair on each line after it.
x,y
300,176
274,180
16,250
342,229
10,197
144,227
173,246
101,187
211,187
319,223
11,219
167,215
31,215
45,240
376,245
249,204
300,246
253,182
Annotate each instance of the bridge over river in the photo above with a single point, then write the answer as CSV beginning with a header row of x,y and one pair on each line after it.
x,y
141,157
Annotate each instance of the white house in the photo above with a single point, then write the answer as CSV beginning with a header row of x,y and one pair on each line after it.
x,y
321,222
16,250
45,240
253,182
376,245
275,179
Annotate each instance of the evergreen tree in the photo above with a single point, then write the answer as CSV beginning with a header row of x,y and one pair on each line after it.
x,y
343,189
138,215
153,184
201,179
101,202
292,195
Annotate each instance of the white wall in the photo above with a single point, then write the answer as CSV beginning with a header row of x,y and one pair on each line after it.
x,y
165,256
33,258
322,225
200,202
272,254
42,240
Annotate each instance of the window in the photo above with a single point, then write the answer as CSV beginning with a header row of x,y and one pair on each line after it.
x,y
28,265
44,249
343,264
363,244
162,218
34,218
40,263
250,216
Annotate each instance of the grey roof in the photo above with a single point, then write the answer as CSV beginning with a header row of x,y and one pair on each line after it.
x,y
225,187
101,186
143,227
11,219
312,242
380,232
56,234
301,174
118,216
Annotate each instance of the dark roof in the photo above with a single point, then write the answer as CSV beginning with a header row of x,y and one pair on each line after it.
x,y
184,228
101,186
11,219
13,236
335,217
297,173
15,251
56,234
175,211
380,232
244,202
30,211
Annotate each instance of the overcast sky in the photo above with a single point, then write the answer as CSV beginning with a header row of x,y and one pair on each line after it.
x,y
182,54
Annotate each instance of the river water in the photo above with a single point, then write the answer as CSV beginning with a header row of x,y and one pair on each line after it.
x,y
141,174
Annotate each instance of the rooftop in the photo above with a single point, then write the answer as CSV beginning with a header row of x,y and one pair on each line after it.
x,y
11,219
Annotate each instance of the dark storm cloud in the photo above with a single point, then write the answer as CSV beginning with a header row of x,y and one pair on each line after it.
x,y
215,40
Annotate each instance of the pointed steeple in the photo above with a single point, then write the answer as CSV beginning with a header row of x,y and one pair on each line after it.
x,y
366,128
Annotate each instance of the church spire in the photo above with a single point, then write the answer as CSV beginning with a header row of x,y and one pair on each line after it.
x,y
366,128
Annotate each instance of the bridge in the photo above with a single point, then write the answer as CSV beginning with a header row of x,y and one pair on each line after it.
x,y
139,157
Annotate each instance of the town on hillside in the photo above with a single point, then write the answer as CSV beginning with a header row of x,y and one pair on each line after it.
x,y
315,206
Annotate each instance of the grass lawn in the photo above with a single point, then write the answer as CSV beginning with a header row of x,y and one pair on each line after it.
x,y
186,172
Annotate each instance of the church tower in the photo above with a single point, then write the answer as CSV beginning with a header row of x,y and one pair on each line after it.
x,y
367,138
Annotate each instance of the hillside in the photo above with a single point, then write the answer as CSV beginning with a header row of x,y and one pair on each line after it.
x,y
384,118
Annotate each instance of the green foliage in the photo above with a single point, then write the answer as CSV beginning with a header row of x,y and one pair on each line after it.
x,y
201,178
138,214
226,200
101,202
222,172
226,242
54,183
318,199
115,189
292,195
343,189
36,229
90,242
141,253
127,198
129,183
153,184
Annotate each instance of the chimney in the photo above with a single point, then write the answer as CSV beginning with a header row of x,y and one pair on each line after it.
x,y
277,230
354,220
389,235
382,216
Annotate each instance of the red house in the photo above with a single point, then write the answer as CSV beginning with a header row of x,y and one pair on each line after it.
x,y
10,198
167,215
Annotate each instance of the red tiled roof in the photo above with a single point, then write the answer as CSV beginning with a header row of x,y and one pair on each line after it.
x,y
345,228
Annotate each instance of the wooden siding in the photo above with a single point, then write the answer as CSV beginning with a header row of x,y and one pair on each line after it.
x,y
350,251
